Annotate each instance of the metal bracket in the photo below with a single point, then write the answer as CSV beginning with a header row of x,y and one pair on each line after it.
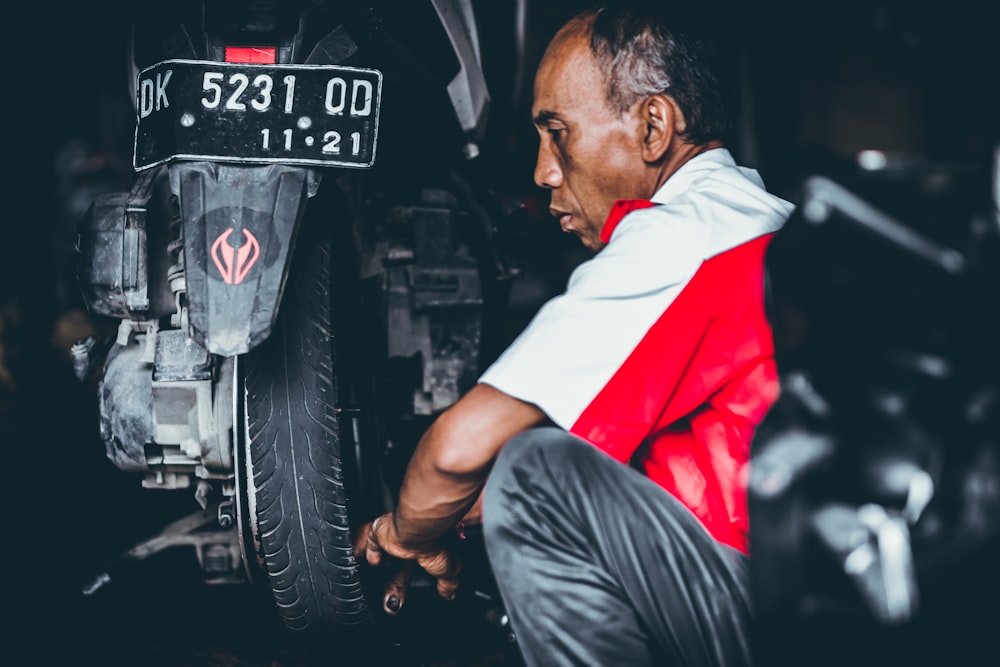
x,y
218,551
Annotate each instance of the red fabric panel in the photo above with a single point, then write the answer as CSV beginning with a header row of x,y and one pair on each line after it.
x,y
689,423
619,210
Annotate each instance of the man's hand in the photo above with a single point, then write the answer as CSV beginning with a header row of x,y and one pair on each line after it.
x,y
378,540
443,478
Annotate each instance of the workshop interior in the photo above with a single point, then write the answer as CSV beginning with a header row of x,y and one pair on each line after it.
x,y
874,485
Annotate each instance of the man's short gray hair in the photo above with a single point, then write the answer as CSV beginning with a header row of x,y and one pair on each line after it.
x,y
653,48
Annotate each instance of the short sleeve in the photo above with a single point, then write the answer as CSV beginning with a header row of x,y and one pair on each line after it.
x,y
578,340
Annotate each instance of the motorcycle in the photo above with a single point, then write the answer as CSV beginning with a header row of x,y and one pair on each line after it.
x,y
300,273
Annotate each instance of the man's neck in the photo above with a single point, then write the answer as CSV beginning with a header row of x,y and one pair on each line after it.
x,y
679,155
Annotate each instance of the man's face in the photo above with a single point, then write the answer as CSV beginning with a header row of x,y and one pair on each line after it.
x,y
589,155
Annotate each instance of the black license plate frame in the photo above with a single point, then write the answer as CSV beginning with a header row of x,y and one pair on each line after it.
x,y
314,115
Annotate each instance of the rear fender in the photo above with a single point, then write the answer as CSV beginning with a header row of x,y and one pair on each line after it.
x,y
239,224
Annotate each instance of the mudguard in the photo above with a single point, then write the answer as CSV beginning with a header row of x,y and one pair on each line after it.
x,y
239,227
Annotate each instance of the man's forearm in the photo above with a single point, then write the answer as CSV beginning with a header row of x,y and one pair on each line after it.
x,y
431,502
452,460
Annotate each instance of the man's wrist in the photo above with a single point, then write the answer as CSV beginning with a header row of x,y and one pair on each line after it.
x,y
422,537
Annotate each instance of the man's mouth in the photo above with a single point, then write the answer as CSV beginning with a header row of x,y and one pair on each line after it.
x,y
564,218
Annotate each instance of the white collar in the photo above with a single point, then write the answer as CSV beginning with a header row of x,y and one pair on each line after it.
x,y
691,170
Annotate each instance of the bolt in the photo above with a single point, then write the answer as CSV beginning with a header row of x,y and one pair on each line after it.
x,y
225,515
470,151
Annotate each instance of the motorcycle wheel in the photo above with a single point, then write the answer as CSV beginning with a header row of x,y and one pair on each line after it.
x,y
300,469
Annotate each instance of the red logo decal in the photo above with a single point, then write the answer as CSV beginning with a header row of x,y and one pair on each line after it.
x,y
234,263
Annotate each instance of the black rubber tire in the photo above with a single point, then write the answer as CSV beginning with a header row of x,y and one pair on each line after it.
x,y
304,530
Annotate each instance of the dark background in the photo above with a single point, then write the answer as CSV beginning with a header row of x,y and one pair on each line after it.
x,y
822,81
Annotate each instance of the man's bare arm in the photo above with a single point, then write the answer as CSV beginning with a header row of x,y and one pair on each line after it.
x,y
452,460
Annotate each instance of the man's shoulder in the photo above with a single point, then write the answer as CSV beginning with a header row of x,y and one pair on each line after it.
x,y
658,238
717,175
717,201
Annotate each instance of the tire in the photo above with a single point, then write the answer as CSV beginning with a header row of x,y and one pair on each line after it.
x,y
298,498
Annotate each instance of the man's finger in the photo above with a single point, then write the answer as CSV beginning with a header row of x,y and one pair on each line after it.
x,y
373,552
445,567
447,588
361,540
398,586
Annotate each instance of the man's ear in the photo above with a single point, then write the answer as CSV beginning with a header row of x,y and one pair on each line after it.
x,y
664,124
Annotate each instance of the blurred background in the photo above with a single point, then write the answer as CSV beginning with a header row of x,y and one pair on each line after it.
x,y
880,119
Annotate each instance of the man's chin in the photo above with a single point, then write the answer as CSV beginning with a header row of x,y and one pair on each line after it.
x,y
591,244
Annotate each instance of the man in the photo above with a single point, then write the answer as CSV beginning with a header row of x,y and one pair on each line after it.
x,y
658,354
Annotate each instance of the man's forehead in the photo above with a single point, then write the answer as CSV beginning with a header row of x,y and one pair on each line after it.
x,y
570,45
567,75
579,26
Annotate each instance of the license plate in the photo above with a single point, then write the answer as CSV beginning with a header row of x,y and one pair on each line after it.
x,y
324,115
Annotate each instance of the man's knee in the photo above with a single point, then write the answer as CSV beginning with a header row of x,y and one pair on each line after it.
x,y
514,460
533,467
522,451
517,490
518,462
524,457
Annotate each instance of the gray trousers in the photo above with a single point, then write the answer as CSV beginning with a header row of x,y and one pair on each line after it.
x,y
599,566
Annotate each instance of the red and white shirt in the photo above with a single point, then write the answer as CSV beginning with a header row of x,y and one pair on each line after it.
x,y
659,351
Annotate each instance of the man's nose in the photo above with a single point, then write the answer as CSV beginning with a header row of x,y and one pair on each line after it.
x,y
547,171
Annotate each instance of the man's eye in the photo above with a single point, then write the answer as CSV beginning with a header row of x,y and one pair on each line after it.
x,y
557,133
